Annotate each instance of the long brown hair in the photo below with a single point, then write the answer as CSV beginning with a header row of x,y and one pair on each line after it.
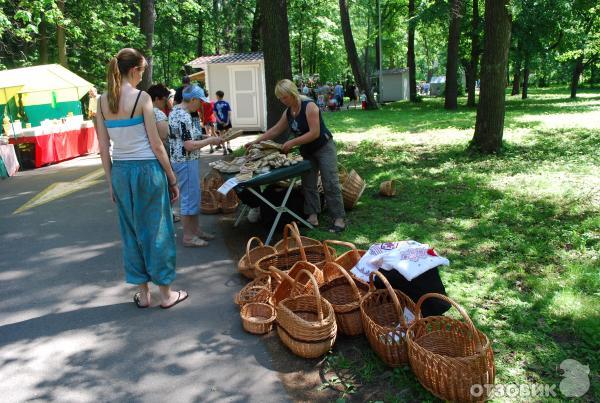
x,y
118,67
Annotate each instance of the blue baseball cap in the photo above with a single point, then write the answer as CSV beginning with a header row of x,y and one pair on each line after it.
x,y
194,91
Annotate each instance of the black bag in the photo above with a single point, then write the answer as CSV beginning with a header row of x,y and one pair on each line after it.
x,y
429,281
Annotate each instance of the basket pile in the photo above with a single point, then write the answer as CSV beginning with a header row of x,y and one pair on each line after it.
x,y
285,259
449,356
306,323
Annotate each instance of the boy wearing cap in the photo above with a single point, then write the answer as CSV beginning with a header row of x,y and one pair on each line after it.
x,y
185,142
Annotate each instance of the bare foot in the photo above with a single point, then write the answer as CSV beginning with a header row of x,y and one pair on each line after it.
x,y
313,219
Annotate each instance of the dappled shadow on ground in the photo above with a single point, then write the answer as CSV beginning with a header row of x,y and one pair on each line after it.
x,y
69,331
522,264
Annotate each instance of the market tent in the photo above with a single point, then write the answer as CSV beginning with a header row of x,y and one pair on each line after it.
x,y
41,92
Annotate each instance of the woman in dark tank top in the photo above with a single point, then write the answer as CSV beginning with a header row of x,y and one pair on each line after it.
x,y
305,122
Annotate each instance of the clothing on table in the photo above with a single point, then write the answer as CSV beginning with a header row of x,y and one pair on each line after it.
x,y
409,258
222,109
181,129
323,158
141,192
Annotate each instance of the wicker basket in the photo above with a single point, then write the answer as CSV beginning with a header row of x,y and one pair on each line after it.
x,y
209,202
344,295
352,188
387,188
246,263
306,323
250,292
294,283
285,259
212,180
347,259
228,203
449,356
257,318
306,241
382,314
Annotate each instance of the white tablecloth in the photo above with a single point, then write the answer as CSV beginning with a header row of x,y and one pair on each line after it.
x,y
7,153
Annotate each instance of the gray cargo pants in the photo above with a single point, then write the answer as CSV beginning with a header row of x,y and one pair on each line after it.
x,y
325,161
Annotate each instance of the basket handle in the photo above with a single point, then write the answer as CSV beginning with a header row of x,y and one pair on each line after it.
x,y
260,243
390,291
349,245
316,290
284,276
459,308
296,236
339,268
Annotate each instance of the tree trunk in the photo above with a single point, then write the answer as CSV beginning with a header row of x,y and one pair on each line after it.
x,y
313,52
516,78
256,24
410,56
218,32
200,38
353,55
474,62
489,125
577,70
525,79
276,48
60,37
239,28
43,41
451,91
147,18
517,71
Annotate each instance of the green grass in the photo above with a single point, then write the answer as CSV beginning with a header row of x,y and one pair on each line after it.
x,y
521,229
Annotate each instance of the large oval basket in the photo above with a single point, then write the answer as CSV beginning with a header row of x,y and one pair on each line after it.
x,y
306,323
449,356
383,320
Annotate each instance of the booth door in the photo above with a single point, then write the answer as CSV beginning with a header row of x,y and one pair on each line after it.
x,y
244,96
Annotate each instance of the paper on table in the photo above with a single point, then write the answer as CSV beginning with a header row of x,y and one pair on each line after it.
x,y
228,185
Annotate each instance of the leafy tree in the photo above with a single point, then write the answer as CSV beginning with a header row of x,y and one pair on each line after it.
x,y
147,19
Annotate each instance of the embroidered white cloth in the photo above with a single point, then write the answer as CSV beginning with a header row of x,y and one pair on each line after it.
x,y
410,258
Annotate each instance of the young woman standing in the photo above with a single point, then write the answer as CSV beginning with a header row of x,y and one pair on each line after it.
x,y
140,180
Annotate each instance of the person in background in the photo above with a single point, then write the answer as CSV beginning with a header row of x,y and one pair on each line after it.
x,y
339,94
363,100
207,116
223,115
185,142
92,103
140,180
303,118
160,95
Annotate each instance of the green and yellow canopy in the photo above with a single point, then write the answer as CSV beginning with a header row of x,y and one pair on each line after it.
x,y
41,92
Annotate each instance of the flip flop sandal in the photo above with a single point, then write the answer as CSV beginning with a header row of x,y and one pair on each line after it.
x,y
137,300
195,242
179,299
206,236
336,229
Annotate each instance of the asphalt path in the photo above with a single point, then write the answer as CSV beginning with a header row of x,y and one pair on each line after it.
x,y
69,331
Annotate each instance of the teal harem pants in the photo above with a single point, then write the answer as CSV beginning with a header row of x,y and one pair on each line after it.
x,y
146,221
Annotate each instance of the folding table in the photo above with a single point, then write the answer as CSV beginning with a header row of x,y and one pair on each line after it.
x,y
292,172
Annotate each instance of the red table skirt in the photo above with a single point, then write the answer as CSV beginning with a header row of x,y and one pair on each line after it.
x,y
55,147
